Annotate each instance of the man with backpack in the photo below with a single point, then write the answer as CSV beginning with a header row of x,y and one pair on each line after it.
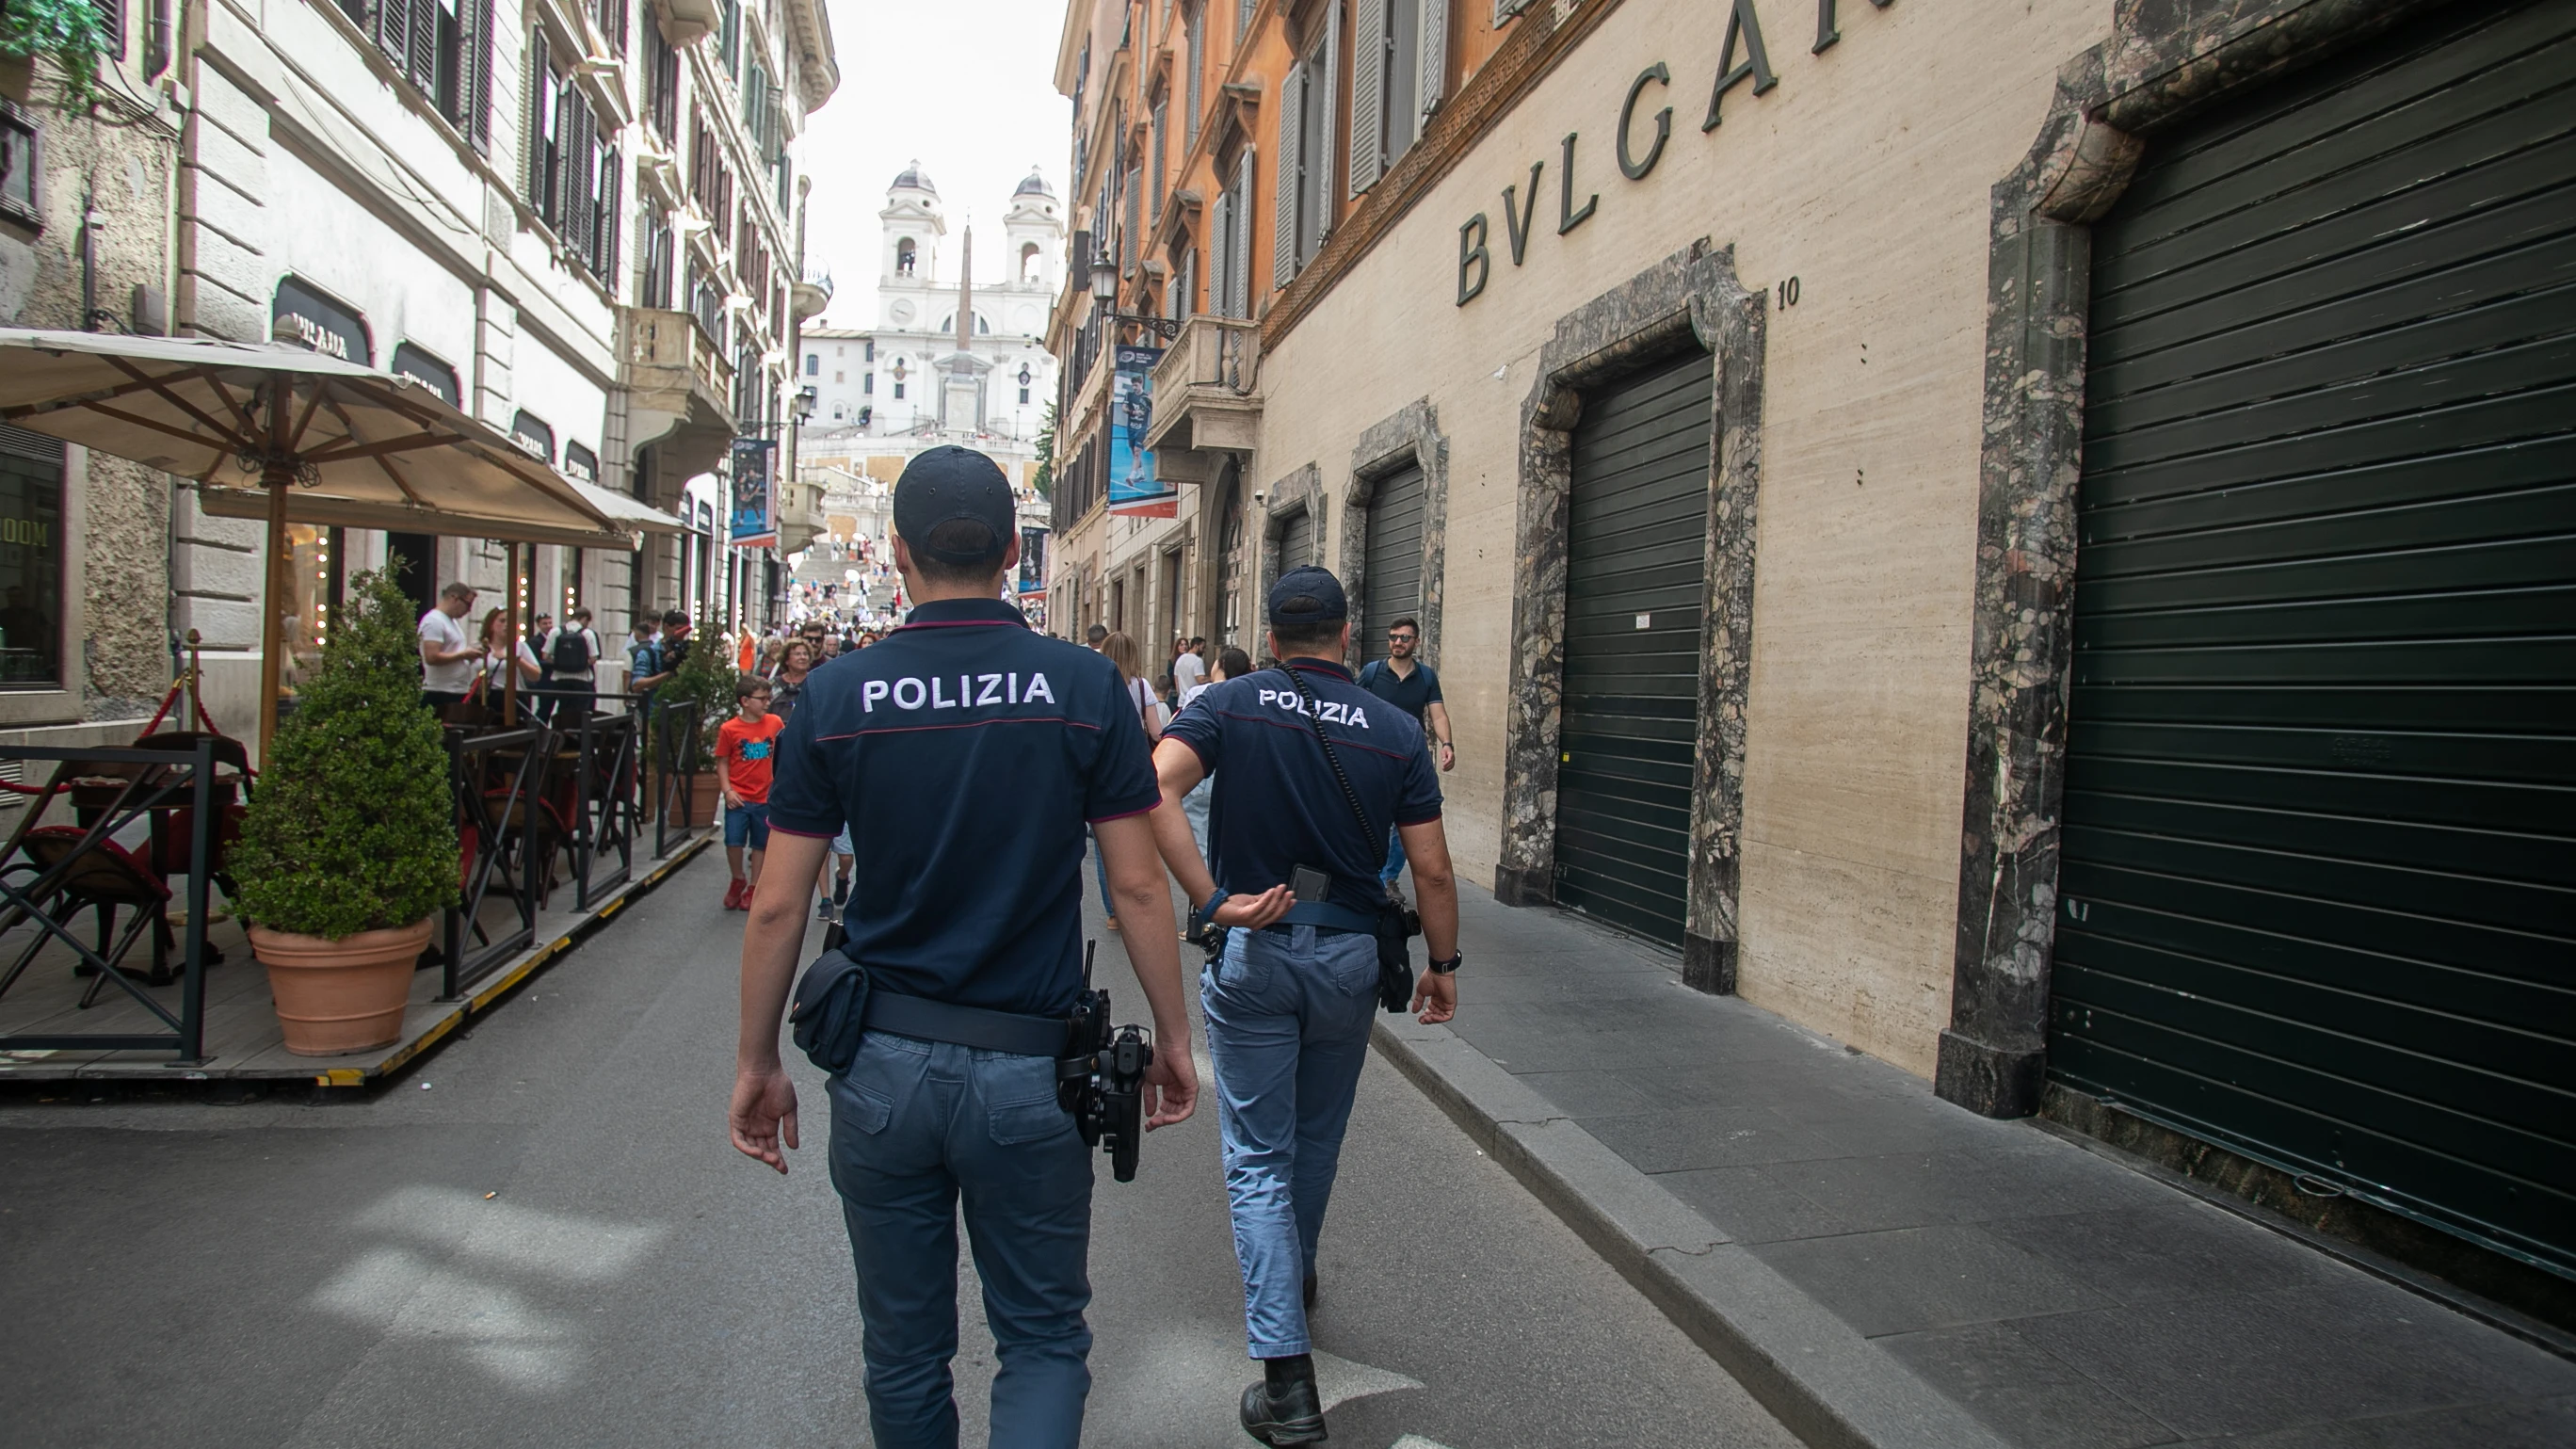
x,y
571,656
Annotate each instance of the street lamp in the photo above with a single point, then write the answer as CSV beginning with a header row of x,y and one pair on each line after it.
x,y
1104,291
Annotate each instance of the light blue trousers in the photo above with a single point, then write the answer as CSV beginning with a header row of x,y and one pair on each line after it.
x,y
1288,1029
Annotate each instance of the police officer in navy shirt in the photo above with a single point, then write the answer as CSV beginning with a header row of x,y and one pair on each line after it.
x,y
971,751
1289,1003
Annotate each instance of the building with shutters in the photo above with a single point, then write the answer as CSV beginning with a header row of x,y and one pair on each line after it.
x,y
576,219
2027,539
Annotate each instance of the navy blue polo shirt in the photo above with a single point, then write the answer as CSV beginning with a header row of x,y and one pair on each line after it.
x,y
969,750
1276,805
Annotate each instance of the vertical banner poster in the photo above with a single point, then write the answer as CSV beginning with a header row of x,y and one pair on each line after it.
x,y
755,524
1133,489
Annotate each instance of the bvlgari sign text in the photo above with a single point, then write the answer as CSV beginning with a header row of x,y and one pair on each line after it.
x,y
1741,59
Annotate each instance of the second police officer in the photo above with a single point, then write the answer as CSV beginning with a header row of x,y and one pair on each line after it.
x,y
976,750
1290,1002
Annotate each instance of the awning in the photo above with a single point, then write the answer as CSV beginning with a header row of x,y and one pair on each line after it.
x,y
367,449
628,513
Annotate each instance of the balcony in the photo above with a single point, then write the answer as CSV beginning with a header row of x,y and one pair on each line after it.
x,y
809,297
691,20
680,389
800,513
1204,400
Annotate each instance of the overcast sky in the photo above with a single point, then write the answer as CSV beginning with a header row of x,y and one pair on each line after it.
x,y
965,86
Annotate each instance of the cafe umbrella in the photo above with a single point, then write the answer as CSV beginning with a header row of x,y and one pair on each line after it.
x,y
284,434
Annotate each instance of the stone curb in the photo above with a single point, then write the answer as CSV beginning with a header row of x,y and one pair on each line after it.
x,y
1813,1371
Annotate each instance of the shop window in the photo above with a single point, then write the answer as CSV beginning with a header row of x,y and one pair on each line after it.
x,y
22,160
580,462
31,560
437,376
534,434
313,567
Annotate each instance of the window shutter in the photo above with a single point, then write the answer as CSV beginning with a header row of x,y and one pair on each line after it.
x,y
422,61
1162,114
1283,216
1221,240
1243,23
573,146
532,117
1242,267
111,14
1435,55
478,75
393,31
610,232
1190,123
1368,94
1127,243
1328,96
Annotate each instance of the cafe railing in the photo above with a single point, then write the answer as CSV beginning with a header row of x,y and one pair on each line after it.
x,y
121,786
675,771
605,804
499,783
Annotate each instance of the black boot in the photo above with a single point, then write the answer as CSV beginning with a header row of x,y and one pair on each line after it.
x,y
1285,1407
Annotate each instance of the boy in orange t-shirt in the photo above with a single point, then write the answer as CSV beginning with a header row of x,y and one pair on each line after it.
x,y
746,748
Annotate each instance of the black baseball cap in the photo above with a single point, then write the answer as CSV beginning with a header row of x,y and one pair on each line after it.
x,y
1308,598
951,485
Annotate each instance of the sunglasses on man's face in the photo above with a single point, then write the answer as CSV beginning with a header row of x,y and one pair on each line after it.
x,y
1399,638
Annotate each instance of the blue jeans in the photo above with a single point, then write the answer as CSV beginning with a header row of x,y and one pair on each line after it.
x,y
1394,858
747,825
1100,871
1194,806
916,1126
1288,1013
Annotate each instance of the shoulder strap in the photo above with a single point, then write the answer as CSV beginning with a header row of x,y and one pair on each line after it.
x,y
1315,717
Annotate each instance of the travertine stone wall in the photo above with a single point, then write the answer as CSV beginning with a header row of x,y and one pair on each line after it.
x,y
1864,173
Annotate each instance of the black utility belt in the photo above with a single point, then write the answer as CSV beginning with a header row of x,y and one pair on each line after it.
x,y
967,1026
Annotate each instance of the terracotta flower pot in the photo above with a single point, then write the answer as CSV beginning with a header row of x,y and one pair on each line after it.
x,y
703,797
337,997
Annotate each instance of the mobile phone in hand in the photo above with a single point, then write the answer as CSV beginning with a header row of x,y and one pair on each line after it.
x,y
1309,885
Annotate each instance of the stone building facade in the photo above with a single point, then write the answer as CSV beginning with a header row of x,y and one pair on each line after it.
x,y
87,197
1940,515
580,220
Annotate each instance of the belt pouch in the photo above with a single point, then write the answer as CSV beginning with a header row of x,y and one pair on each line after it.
x,y
1396,927
830,1011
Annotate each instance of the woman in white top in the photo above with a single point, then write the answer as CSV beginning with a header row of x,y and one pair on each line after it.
x,y
1230,664
500,645
1122,651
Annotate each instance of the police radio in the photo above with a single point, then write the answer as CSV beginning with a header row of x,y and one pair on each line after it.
x,y
1101,1077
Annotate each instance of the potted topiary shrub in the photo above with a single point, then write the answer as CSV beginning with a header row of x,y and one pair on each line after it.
x,y
348,848
705,678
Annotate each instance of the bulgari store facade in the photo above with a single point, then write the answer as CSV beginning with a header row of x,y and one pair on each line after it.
x,y
2006,533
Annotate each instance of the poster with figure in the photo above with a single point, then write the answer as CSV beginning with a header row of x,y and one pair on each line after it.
x,y
1133,488
755,524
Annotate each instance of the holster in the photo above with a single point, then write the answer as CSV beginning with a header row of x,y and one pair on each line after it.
x,y
1397,925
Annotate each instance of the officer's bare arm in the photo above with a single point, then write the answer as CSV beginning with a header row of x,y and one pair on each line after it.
x,y
1177,767
1435,892
1153,948
764,1101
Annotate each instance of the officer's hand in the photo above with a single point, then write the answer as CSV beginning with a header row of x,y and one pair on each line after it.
x,y
1254,912
764,1112
1171,1086
1435,997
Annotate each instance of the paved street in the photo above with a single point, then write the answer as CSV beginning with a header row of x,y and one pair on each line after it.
x,y
286,1274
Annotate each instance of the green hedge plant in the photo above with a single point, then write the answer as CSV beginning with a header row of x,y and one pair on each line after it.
x,y
73,34
706,677
351,827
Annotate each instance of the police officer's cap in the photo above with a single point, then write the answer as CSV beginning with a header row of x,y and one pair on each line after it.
x,y
1308,598
955,485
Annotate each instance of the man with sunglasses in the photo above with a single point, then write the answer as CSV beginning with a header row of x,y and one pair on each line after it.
x,y
1410,685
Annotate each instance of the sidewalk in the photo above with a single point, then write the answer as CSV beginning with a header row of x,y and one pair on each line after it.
x,y
1882,1268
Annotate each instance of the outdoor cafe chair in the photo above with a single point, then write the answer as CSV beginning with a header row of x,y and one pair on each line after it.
x,y
104,878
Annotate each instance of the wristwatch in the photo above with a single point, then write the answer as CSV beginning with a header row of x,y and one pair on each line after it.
x,y
1444,968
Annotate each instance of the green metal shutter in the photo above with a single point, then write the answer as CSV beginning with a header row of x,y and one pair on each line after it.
x,y
1391,564
2318,898
1636,571
1297,542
